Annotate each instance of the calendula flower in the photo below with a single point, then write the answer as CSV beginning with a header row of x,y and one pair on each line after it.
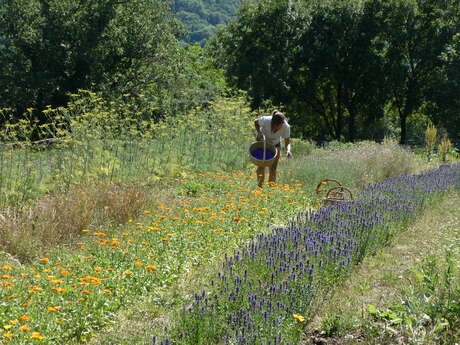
x,y
44,260
24,328
54,308
8,335
151,267
7,327
7,267
24,318
37,335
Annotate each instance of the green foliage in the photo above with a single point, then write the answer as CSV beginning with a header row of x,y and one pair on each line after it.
x,y
338,67
430,309
202,17
53,47
98,139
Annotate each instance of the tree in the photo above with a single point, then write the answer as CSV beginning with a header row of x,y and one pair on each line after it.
x,y
50,48
416,34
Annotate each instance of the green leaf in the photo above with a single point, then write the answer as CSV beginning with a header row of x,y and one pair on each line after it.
x,y
372,309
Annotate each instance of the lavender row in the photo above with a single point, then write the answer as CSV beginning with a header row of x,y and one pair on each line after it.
x,y
266,289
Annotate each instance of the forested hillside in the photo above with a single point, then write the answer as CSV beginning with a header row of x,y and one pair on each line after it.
x,y
201,17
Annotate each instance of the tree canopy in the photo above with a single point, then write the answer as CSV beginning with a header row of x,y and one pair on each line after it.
x,y
342,68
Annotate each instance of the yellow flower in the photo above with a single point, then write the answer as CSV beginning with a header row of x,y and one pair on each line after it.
x,y
7,327
7,335
298,317
7,267
128,272
106,291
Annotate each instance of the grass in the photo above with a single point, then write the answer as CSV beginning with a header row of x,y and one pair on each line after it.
x,y
394,279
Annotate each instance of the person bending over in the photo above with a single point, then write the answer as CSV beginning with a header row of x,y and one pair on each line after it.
x,y
273,127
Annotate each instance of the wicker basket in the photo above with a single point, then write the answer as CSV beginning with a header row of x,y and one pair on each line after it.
x,y
260,162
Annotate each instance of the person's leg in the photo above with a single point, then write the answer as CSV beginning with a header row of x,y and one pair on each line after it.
x,y
260,176
272,169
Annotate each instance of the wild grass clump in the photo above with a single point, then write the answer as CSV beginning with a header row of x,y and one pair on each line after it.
x,y
356,165
27,231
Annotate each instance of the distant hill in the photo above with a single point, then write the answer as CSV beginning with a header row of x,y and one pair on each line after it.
x,y
201,17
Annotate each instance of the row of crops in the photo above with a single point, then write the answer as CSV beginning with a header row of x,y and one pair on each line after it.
x,y
265,291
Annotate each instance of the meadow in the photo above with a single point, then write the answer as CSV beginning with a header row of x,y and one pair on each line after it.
x,y
115,211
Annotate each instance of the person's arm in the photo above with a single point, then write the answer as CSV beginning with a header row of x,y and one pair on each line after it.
x,y
259,135
287,145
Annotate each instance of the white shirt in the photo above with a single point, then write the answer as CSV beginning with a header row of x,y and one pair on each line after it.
x,y
265,123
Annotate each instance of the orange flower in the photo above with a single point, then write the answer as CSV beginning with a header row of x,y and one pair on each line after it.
x,y
7,267
57,289
64,272
44,260
99,234
54,308
24,318
138,263
37,335
58,322
85,230
24,328
151,267
165,239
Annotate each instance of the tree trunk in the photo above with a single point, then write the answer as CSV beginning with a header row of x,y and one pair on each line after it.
x,y
403,124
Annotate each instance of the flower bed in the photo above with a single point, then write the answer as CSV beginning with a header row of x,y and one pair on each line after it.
x,y
266,290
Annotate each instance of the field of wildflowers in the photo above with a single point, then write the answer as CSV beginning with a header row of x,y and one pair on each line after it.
x,y
266,290
67,295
